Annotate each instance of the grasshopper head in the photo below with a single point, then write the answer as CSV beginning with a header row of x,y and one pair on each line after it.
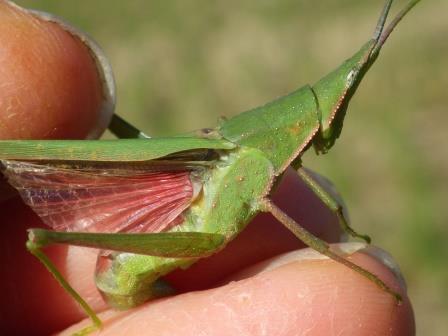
x,y
334,91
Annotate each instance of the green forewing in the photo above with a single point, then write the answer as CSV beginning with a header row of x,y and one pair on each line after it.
x,y
105,150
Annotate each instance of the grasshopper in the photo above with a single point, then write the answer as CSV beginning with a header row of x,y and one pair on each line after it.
x,y
157,204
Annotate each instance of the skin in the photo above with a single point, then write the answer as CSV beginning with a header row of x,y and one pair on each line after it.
x,y
240,290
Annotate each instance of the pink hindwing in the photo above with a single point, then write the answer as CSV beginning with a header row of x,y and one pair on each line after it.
x,y
94,200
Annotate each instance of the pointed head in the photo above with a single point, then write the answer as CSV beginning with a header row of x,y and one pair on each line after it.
x,y
334,91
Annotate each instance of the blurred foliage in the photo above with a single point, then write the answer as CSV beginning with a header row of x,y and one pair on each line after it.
x,y
179,65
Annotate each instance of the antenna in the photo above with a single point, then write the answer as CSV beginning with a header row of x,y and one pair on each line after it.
x,y
382,20
385,34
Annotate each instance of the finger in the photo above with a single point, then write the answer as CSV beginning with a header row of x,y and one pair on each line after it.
x,y
51,86
289,297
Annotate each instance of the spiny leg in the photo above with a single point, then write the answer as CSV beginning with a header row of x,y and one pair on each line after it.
x,y
35,250
330,201
320,246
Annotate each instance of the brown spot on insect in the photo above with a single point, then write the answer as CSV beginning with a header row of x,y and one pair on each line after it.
x,y
240,178
295,129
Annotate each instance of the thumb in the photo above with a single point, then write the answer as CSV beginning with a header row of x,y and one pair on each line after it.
x,y
52,87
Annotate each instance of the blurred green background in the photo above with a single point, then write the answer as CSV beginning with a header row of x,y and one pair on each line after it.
x,y
179,65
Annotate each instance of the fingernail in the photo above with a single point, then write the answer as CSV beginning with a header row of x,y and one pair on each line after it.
x,y
343,249
103,66
348,248
308,254
386,259
375,252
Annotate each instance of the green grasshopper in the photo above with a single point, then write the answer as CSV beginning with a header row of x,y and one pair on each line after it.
x,y
157,204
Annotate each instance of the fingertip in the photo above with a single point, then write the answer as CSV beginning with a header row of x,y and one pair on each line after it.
x,y
51,85
315,296
338,297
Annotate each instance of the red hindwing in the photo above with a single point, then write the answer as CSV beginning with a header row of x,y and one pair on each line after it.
x,y
111,200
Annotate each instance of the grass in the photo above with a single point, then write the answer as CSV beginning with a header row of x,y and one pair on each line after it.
x,y
180,65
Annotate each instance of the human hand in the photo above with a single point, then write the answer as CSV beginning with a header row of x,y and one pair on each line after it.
x,y
288,294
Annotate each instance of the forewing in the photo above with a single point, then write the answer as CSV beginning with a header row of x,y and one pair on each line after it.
x,y
106,200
